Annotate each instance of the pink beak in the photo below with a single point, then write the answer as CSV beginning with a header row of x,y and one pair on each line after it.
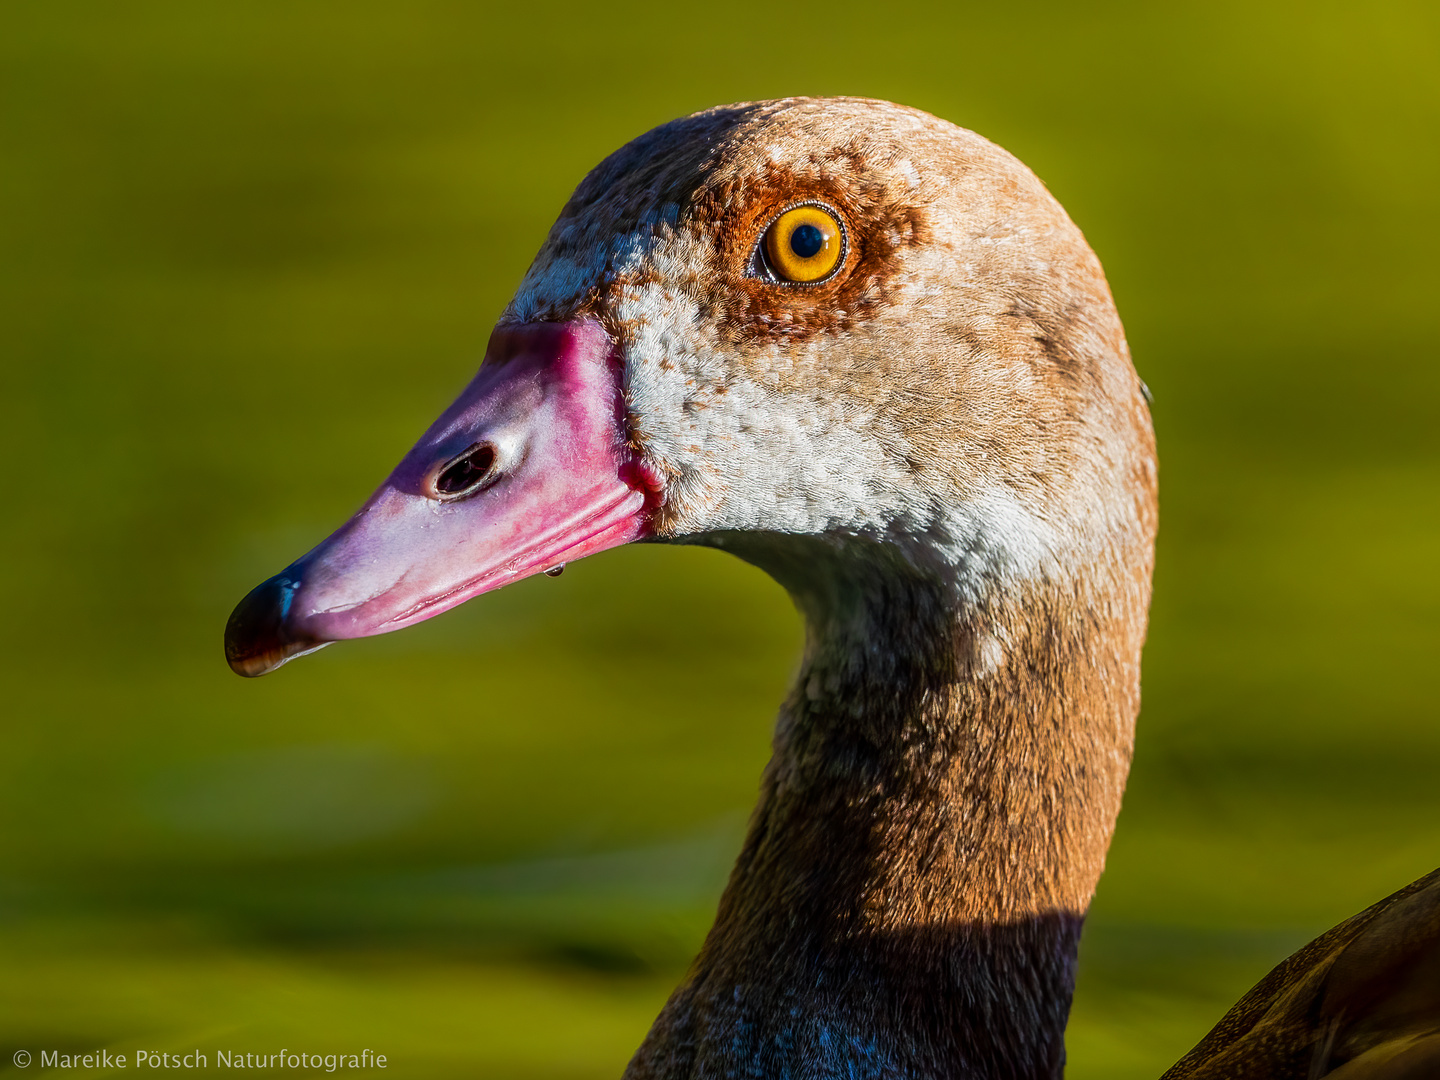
x,y
529,469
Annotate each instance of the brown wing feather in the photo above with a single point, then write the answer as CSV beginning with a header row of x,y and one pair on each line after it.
x,y
1361,1002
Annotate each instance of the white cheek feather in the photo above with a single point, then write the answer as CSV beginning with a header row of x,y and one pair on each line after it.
x,y
748,458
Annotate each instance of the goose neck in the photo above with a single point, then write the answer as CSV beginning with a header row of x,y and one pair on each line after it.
x,y
931,827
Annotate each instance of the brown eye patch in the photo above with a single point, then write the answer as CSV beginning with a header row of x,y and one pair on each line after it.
x,y
879,223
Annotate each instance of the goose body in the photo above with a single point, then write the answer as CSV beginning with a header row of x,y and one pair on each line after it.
x,y
933,437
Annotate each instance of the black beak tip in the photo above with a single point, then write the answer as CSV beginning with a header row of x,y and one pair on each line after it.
x,y
258,638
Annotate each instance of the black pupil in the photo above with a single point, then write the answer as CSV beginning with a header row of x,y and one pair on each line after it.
x,y
464,473
806,241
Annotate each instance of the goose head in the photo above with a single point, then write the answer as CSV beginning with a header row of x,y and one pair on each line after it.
x,y
855,344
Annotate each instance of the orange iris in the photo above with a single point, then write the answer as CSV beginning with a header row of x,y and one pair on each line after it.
x,y
805,244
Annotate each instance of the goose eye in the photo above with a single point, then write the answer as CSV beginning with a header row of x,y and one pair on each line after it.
x,y
805,244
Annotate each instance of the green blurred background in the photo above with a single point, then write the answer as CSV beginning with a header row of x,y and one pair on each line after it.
x,y
248,251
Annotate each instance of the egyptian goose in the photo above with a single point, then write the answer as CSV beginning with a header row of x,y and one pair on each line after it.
x,y
866,351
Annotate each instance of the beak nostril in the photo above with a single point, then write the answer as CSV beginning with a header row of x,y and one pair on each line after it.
x,y
468,473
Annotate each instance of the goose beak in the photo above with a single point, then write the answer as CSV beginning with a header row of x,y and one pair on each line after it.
x,y
529,469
